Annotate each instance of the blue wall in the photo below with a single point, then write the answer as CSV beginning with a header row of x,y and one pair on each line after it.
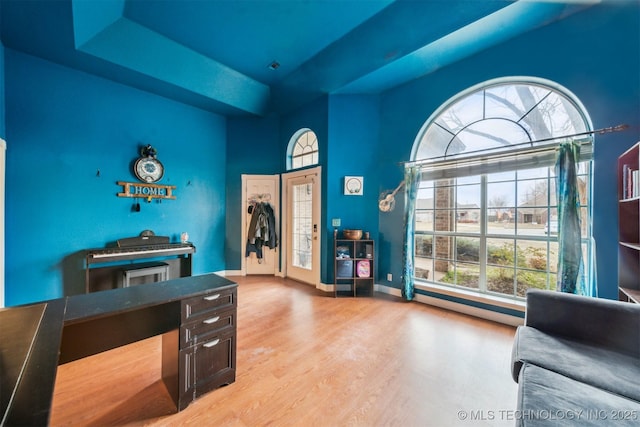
x,y
64,127
352,148
2,114
594,54
253,148
2,108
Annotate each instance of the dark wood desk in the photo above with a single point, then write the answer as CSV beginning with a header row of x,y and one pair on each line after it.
x,y
29,342
196,316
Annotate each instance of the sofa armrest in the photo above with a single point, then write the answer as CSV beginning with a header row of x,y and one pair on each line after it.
x,y
606,323
516,362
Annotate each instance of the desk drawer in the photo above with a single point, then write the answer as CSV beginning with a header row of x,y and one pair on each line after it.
x,y
206,305
197,330
215,362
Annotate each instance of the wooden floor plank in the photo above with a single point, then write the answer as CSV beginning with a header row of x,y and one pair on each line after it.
x,y
306,358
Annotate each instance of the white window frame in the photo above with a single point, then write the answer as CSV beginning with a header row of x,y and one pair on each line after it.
x,y
520,233
483,164
310,155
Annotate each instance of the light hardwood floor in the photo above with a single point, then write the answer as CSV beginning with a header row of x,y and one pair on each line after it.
x,y
307,359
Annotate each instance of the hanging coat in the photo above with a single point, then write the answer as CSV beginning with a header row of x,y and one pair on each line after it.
x,y
272,240
262,230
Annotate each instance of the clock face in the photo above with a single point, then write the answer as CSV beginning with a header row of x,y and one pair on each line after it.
x,y
353,185
148,169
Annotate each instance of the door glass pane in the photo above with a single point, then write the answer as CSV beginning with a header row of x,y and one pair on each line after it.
x,y
302,225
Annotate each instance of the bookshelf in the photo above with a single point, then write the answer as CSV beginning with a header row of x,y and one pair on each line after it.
x,y
353,266
629,225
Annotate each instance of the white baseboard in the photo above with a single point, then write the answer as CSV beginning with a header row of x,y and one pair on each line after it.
x,y
387,290
324,287
240,273
230,273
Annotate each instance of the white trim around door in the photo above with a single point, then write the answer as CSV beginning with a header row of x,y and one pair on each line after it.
x,y
312,178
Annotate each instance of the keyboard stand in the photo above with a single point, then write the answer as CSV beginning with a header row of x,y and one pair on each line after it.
x,y
124,261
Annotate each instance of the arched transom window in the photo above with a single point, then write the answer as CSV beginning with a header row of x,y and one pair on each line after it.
x,y
486,210
303,149
500,117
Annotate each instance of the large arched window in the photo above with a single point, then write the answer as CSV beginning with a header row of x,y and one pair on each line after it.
x,y
302,150
486,212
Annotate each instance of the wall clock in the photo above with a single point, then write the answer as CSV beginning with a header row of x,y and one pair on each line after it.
x,y
148,168
353,185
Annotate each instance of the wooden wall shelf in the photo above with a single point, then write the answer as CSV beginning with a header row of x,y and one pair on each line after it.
x,y
146,191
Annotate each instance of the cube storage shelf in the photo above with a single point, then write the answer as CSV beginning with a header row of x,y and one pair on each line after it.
x,y
354,267
629,225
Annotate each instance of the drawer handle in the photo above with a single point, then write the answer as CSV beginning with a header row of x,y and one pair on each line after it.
x,y
212,297
212,320
211,343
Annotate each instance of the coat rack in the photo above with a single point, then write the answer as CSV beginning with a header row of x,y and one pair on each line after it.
x,y
259,198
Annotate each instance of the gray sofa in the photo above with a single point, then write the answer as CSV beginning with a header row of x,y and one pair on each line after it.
x,y
577,361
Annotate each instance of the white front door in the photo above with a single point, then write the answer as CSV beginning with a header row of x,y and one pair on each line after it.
x,y
302,225
258,189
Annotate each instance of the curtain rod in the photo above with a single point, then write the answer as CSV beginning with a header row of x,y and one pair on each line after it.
x,y
591,132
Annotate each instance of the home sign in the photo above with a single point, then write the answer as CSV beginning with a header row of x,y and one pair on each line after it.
x,y
148,169
146,191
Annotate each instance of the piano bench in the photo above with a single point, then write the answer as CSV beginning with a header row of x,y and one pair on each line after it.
x,y
145,269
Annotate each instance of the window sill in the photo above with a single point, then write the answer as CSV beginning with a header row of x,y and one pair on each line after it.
x,y
493,300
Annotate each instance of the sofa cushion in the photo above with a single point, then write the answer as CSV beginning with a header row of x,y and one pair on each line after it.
x,y
597,321
599,367
546,398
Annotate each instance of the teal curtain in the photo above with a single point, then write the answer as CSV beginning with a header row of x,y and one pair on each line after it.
x,y
570,265
411,183
592,286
